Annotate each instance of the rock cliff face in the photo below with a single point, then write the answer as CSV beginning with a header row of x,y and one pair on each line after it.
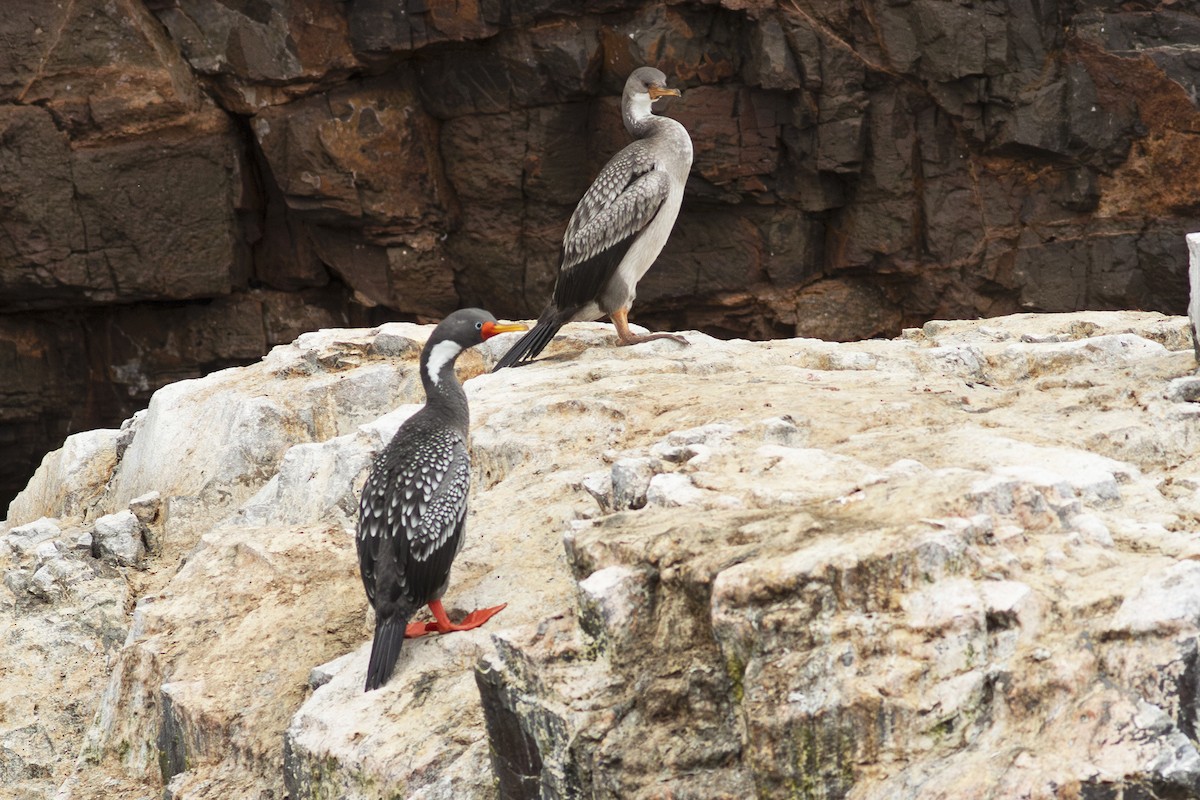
x,y
185,184
960,563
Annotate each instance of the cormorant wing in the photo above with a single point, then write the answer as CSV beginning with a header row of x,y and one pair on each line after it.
x,y
620,203
407,544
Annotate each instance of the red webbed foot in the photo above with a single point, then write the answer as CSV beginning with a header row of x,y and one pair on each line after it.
x,y
415,630
442,624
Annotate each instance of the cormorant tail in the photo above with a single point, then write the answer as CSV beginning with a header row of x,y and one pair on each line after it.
x,y
532,343
389,636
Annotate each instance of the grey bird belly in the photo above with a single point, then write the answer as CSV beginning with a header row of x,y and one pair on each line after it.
x,y
621,290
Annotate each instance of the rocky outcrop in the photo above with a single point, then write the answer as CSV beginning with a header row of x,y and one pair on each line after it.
x,y
888,569
177,176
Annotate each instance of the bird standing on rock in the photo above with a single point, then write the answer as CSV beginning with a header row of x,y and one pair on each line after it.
x,y
414,504
621,224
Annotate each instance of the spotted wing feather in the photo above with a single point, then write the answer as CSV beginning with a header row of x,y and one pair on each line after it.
x,y
411,518
620,203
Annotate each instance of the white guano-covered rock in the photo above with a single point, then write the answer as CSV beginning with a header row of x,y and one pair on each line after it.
x,y
70,481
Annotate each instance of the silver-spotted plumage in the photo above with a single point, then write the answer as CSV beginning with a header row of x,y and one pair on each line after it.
x,y
413,510
624,198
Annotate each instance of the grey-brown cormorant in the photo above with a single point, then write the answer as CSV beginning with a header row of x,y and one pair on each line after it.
x,y
620,225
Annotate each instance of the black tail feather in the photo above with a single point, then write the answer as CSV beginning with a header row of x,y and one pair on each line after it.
x,y
531,344
389,636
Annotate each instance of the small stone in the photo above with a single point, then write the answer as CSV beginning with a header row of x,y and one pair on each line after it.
x,y
671,453
1184,390
630,481
146,507
46,551
17,581
612,601
673,489
713,435
53,578
697,455
119,538
23,540
784,430
43,584
1040,654
1092,529
393,345
600,486
1150,717
82,542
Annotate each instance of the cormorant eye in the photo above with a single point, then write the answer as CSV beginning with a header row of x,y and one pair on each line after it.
x,y
478,326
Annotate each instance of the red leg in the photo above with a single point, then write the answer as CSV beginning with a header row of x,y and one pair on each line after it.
x,y
442,624
473,620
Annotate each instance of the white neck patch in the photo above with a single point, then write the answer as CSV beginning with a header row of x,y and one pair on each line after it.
x,y
640,106
441,354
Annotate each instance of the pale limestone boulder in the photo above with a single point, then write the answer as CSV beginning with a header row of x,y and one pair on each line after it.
x,y
867,568
119,538
630,480
1165,602
24,539
70,481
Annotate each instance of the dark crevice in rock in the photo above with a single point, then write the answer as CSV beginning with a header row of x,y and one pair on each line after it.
x,y
516,761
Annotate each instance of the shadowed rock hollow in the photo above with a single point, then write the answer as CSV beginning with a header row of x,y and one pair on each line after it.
x,y
960,563
186,184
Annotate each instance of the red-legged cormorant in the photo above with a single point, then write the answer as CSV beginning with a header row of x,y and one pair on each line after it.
x,y
414,504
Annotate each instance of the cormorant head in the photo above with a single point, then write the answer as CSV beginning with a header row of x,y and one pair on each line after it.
x,y
649,81
464,328
470,326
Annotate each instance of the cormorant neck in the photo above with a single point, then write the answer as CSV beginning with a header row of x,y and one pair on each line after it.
x,y
638,113
443,392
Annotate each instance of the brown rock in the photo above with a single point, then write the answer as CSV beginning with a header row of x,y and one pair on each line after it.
x,y
102,69
107,222
362,155
260,53
550,63
378,26
415,278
